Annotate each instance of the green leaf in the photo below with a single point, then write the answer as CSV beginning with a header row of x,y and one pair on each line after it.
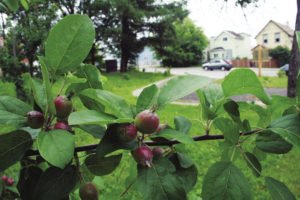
x,y
213,92
288,127
71,78
113,104
12,147
278,190
92,78
49,106
89,117
56,147
14,105
109,143
11,121
182,124
253,163
174,134
244,81
160,181
179,87
68,43
225,181
56,183
270,142
186,171
147,98
28,180
95,130
24,4
298,82
39,94
206,112
101,166
228,128
232,108
13,5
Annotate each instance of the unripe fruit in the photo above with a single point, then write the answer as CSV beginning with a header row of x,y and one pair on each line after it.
x,y
146,122
88,191
63,107
4,178
143,155
62,126
158,152
10,181
35,119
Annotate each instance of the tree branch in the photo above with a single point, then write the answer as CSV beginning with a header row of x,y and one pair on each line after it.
x,y
92,147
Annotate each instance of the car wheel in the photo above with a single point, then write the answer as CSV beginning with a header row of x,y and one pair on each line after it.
x,y
223,68
205,68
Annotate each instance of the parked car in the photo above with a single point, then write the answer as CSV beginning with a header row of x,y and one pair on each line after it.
x,y
285,68
217,64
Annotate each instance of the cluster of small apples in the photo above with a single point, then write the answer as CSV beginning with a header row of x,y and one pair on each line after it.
x,y
7,180
146,122
63,106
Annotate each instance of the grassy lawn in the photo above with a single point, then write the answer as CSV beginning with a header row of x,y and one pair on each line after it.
x,y
269,82
203,153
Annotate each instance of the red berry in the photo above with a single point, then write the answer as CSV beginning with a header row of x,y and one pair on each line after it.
x,y
35,119
146,122
63,107
143,155
127,132
4,178
10,181
62,126
158,152
88,191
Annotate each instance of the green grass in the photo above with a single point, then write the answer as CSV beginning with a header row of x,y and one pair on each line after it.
x,y
269,82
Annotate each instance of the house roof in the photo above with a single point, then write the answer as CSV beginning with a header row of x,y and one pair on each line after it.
x,y
234,34
289,31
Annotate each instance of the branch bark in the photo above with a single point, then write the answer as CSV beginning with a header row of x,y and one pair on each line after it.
x,y
199,138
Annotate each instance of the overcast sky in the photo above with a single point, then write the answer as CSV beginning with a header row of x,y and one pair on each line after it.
x,y
214,16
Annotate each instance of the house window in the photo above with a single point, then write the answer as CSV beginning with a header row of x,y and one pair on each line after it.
x,y
265,38
277,37
225,38
215,55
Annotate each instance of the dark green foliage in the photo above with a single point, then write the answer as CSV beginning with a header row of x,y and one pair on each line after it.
x,y
182,46
281,54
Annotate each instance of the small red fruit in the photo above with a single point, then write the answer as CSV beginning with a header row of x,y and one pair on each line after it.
x,y
88,191
4,178
143,155
10,181
35,119
146,122
62,126
63,107
127,132
158,152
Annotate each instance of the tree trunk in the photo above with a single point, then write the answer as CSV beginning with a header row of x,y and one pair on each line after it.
x,y
295,59
124,46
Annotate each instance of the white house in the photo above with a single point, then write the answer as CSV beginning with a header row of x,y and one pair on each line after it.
x,y
274,34
147,59
230,45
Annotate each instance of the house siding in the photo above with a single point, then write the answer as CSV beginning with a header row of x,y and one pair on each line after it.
x,y
271,29
233,47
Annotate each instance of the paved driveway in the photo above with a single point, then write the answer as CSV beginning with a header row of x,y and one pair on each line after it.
x,y
216,74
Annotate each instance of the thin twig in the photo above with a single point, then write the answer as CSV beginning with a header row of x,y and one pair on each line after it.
x,y
92,147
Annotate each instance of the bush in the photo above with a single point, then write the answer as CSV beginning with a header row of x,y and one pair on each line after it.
x,y
281,54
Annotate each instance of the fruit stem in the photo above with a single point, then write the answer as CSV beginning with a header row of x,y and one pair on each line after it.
x,y
81,179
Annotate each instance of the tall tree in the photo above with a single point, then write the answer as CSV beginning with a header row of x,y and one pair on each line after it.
x,y
183,45
126,26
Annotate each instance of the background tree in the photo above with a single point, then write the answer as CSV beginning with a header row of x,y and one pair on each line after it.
x,y
183,46
126,27
281,54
